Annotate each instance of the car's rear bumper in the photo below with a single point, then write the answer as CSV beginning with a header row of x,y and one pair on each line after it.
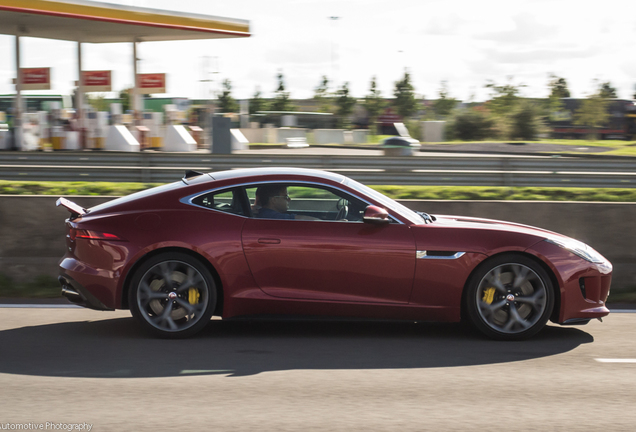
x,y
78,295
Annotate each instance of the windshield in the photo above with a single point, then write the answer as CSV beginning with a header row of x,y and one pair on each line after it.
x,y
387,202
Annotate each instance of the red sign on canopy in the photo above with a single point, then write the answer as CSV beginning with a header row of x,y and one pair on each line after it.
x,y
96,81
35,78
152,83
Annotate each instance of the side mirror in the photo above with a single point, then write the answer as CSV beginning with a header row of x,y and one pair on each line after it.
x,y
374,214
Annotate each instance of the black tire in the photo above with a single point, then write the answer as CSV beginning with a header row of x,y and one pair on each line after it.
x,y
509,297
172,295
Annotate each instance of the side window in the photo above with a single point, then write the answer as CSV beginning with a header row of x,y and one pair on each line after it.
x,y
312,199
297,201
228,201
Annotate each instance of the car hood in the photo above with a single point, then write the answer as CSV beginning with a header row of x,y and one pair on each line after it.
x,y
485,236
492,224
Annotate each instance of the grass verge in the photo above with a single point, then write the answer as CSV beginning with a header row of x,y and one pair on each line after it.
x,y
623,296
41,286
8,187
482,193
479,193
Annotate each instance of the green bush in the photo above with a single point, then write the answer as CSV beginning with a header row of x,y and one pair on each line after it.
x,y
526,122
470,125
415,129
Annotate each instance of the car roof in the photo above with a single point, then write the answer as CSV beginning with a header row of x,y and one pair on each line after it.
x,y
204,180
251,172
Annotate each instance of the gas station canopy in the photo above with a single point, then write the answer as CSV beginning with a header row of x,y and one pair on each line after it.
x,y
85,21
96,22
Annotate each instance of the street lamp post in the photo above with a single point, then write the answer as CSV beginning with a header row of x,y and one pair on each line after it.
x,y
333,20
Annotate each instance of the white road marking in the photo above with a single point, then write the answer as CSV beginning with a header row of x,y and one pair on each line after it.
x,y
609,360
623,310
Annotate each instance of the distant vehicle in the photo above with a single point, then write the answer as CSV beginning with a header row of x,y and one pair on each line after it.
x,y
34,103
287,241
621,123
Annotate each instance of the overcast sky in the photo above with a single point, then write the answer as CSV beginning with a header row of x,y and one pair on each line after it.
x,y
463,42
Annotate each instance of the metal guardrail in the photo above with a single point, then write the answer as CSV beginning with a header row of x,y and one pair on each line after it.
x,y
478,170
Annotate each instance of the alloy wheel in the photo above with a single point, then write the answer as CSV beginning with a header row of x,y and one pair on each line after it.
x,y
172,296
511,298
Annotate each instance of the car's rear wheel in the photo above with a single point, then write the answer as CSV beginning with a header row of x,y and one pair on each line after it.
x,y
173,295
509,298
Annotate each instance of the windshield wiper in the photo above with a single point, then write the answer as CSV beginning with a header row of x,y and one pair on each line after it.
x,y
427,217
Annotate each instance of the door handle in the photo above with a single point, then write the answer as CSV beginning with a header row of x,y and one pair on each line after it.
x,y
269,241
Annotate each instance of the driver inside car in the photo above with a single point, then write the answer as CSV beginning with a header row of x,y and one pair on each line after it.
x,y
274,201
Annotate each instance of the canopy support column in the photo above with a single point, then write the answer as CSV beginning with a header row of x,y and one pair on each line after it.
x,y
135,97
17,109
79,99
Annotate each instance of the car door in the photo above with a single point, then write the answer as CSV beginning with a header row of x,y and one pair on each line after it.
x,y
328,259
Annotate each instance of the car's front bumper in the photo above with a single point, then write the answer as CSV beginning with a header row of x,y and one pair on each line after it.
x,y
584,286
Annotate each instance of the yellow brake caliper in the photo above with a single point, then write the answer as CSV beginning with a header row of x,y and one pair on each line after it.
x,y
489,295
193,296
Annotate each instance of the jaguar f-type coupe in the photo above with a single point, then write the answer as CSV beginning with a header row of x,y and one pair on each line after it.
x,y
287,241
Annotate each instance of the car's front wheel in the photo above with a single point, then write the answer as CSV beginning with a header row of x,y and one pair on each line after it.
x,y
173,295
509,298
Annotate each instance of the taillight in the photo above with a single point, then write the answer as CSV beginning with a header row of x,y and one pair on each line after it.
x,y
75,233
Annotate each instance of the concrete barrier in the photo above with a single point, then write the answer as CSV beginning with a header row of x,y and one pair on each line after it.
x,y
433,131
239,142
360,136
32,231
254,135
283,133
329,136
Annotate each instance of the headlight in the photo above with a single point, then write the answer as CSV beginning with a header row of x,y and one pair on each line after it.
x,y
578,248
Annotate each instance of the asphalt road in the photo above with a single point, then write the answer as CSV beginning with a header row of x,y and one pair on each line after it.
x,y
80,366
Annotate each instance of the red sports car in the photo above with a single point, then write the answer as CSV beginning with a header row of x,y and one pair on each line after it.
x,y
286,241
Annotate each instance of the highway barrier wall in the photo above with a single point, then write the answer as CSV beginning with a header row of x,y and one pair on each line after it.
x,y
32,229
425,169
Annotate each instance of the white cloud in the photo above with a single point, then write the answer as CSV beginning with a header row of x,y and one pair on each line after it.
x,y
464,42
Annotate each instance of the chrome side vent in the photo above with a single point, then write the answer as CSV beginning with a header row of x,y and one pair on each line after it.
x,y
438,254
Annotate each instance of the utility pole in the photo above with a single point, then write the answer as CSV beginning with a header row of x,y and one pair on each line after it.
x,y
208,89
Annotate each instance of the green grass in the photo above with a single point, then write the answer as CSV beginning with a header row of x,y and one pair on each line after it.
x,y
587,143
479,193
623,151
376,139
71,188
623,296
40,287
621,148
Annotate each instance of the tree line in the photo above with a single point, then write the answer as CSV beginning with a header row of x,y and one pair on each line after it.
x,y
506,115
